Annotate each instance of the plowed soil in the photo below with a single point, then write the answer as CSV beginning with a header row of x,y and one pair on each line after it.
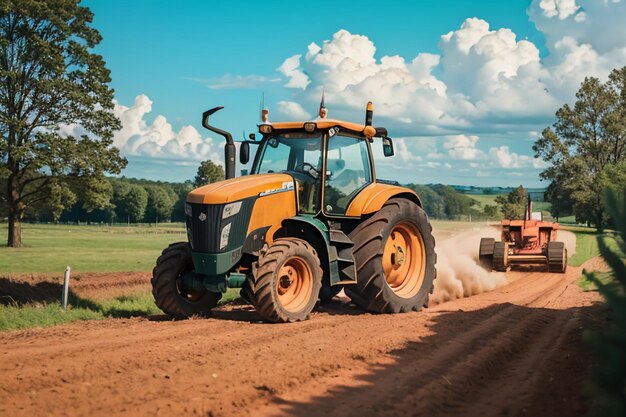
x,y
514,351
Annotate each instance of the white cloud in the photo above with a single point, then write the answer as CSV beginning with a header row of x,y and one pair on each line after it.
x,y
560,8
293,110
291,69
233,81
158,139
503,157
463,147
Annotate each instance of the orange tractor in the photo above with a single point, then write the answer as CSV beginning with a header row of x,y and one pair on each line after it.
x,y
310,220
530,241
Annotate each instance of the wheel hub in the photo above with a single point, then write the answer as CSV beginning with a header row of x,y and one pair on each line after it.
x,y
404,259
399,257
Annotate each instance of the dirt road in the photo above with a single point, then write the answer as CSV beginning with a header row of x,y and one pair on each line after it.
x,y
513,351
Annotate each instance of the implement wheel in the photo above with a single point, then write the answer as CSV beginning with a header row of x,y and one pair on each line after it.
x,y
394,252
485,253
168,294
557,257
286,282
501,256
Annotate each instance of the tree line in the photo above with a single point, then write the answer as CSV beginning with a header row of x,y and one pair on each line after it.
x,y
130,200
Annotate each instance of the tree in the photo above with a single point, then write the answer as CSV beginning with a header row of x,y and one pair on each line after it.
x,y
583,141
513,204
491,211
160,204
130,201
208,172
51,84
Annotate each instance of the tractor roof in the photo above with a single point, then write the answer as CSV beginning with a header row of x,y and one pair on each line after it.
x,y
367,131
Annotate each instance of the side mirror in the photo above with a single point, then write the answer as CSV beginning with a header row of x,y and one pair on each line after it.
x,y
387,146
244,153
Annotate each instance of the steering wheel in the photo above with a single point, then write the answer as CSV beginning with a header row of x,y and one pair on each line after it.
x,y
308,169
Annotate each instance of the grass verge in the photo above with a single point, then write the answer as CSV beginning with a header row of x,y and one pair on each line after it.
x,y
15,317
587,285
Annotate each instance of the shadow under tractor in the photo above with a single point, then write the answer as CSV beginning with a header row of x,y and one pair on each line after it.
x,y
311,219
530,241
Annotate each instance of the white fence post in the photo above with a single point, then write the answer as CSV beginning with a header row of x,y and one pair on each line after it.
x,y
66,287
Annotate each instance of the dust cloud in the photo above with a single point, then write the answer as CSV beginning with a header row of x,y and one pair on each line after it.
x,y
458,272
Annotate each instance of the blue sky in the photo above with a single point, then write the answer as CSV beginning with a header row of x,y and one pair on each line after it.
x,y
464,87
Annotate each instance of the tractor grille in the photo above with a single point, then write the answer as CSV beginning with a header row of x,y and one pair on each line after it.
x,y
205,225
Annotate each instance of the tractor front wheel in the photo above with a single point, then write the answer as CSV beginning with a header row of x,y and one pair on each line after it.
x,y
394,253
285,284
169,296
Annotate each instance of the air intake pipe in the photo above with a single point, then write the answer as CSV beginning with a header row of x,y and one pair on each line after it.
x,y
229,148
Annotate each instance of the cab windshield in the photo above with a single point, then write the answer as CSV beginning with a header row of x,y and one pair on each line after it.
x,y
291,152
300,155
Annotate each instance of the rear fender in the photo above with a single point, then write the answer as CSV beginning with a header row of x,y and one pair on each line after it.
x,y
373,197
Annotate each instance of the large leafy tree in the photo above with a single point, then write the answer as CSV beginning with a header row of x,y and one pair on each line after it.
x,y
208,172
51,83
584,140
513,204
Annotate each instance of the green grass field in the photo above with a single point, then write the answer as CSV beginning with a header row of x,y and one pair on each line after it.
x,y
50,248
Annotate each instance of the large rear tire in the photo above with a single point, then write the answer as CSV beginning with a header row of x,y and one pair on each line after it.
x,y
501,256
394,253
557,257
286,281
173,263
485,253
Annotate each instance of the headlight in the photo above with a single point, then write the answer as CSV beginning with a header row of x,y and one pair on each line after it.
x,y
188,209
310,127
224,236
265,129
231,209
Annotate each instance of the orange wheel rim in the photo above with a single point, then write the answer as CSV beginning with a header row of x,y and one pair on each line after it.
x,y
404,259
294,284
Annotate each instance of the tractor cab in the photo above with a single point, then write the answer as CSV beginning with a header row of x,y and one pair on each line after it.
x,y
329,160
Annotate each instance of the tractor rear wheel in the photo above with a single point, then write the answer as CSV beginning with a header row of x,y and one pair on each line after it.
x,y
485,253
501,256
557,257
168,294
286,281
394,253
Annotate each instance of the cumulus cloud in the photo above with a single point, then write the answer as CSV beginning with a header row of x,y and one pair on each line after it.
x,y
291,69
158,139
560,8
463,147
293,110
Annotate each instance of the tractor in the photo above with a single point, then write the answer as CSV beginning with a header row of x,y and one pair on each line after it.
x,y
530,241
309,220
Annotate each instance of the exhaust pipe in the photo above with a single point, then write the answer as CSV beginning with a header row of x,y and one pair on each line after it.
x,y
229,148
369,114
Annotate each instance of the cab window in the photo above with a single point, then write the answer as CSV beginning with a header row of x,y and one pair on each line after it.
x,y
347,172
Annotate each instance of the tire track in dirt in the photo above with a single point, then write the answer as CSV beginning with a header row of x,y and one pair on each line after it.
x,y
495,353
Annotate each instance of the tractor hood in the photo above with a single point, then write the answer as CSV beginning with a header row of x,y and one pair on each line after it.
x,y
239,188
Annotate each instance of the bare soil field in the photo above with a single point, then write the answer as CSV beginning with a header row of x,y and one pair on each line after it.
x,y
516,350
